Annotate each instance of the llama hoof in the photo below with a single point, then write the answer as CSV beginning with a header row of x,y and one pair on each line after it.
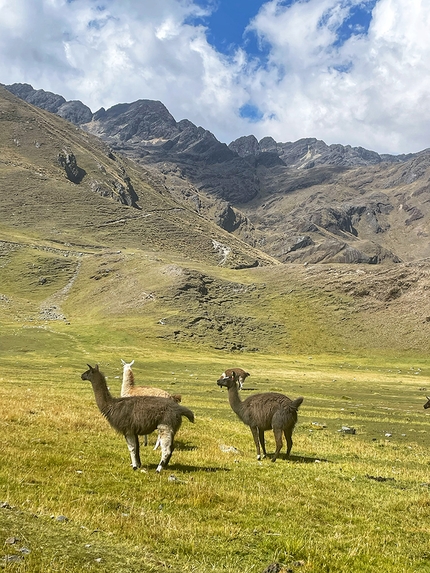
x,y
273,460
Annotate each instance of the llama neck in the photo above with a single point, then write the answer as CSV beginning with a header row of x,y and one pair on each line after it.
x,y
235,401
127,380
101,392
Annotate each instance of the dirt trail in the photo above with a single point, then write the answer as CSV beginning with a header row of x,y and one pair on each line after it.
x,y
50,308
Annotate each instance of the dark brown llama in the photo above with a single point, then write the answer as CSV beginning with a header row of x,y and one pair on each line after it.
x,y
134,416
262,412
240,375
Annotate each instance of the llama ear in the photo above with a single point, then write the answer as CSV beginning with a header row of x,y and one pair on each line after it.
x,y
131,363
89,366
428,397
96,367
123,362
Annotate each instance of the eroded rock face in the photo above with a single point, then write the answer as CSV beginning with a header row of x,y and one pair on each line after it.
x,y
308,153
67,160
147,132
40,98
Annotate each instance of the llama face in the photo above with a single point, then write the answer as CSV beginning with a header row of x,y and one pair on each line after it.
x,y
227,381
87,375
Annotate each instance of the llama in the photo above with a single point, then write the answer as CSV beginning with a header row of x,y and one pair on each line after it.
x,y
128,388
135,416
262,412
240,374
427,404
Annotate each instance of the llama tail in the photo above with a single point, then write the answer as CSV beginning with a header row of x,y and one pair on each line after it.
x,y
187,413
296,403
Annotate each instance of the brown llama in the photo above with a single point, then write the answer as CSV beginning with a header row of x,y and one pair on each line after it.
x,y
128,388
427,404
262,412
240,375
134,416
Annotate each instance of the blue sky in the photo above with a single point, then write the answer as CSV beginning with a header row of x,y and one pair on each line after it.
x,y
227,25
228,20
355,72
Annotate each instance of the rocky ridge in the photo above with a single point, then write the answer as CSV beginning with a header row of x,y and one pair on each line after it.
x,y
302,201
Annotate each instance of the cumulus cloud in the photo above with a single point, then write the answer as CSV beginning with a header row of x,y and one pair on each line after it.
x,y
319,74
372,90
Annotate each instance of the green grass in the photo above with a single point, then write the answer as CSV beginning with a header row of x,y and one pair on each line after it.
x,y
342,503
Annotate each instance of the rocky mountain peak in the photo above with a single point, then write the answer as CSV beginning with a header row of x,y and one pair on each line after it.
x,y
74,111
302,201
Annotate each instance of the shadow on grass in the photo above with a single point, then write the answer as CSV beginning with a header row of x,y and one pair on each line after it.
x,y
303,459
181,446
188,469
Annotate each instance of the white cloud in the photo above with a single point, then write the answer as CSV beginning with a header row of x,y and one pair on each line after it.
x,y
380,102
372,90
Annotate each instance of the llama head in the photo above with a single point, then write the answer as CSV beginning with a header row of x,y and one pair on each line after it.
x,y
88,374
228,379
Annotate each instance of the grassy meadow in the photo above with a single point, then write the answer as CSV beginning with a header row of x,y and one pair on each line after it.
x,y
69,500
344,502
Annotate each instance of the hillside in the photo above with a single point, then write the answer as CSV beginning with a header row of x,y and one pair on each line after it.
x,y
90,239
55,180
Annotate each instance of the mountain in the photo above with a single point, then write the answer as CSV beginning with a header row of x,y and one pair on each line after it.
x,y
299,202
62,175
91,238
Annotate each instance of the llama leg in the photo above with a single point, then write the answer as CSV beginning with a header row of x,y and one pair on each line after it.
x,y
165,435
145,440
157,443
262,441
278,441
254,431
133,447
289,440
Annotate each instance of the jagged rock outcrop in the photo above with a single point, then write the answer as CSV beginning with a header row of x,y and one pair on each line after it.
x,y
40,98
119,190
231,220
67,160
308,153
74,111
147,132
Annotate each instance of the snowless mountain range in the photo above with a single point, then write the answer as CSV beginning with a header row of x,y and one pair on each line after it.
x,y
299,202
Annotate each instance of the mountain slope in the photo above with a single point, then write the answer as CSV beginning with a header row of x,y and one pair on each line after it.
x,y
93,244
299,202
57,183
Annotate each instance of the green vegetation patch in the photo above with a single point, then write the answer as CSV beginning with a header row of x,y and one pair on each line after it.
x,y
343,502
